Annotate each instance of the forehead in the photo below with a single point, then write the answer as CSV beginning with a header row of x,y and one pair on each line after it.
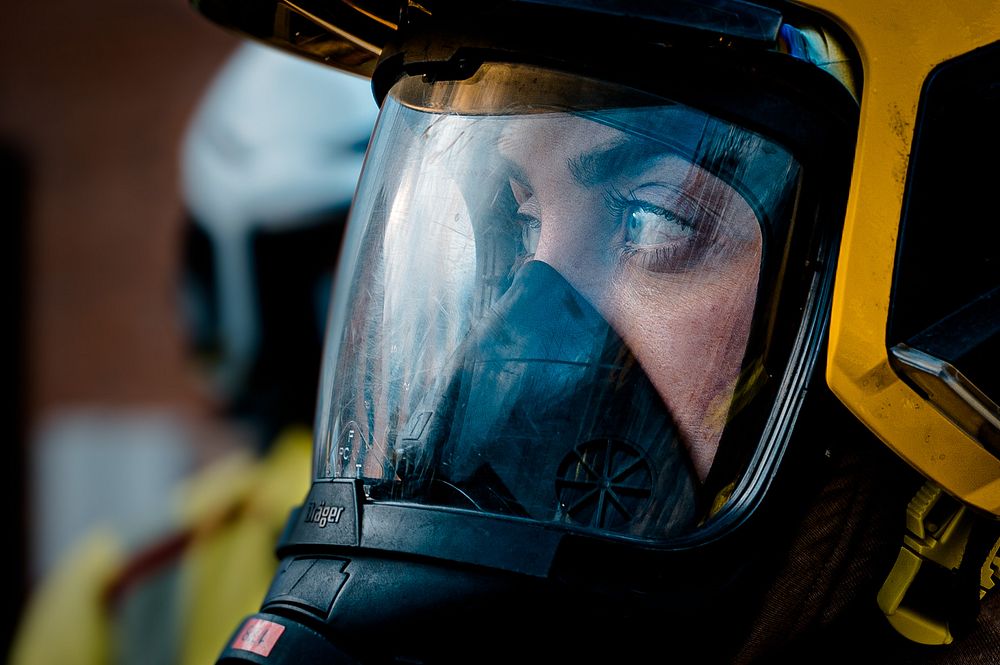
x,y
566,147
544,137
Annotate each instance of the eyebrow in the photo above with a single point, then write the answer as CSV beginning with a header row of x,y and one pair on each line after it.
x,y
625,156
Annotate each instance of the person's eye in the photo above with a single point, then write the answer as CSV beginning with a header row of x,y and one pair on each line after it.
x,y
531,229
647,225
660,230
526,215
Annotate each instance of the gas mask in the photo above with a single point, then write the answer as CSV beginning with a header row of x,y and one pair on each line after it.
x,y
555,377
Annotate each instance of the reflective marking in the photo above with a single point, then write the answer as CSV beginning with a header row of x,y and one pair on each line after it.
x,y
258,636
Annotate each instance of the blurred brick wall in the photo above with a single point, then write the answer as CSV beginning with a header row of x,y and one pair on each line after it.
x,y
94,97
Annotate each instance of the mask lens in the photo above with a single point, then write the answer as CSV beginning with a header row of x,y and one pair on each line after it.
x,y
548,306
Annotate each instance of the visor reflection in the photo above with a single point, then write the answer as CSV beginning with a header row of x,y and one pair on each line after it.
x,y
551,310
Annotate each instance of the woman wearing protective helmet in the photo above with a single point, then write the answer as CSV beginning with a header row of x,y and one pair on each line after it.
x,y
574,371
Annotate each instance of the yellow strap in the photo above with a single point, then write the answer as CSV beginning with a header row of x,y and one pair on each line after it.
x,y
937,533
990,574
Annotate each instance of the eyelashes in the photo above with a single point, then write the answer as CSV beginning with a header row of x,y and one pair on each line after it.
x,y
644,223
661,229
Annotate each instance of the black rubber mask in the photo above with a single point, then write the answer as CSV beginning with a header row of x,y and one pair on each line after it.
x,y
546,395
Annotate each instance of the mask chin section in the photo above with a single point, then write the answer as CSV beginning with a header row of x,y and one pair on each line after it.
x,y
381,611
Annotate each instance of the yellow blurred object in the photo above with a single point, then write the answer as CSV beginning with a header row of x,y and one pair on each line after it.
x,y
66,622
220,560
231,561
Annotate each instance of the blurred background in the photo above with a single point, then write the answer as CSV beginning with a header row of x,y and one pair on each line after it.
x,y
105,411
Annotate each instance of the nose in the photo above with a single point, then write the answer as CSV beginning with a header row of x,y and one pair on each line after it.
x,y
577,243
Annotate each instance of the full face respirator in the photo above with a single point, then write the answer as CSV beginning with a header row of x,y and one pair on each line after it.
x,y
576,313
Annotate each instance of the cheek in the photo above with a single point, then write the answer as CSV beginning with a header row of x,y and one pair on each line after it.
x,y
695,337
686,321
690,337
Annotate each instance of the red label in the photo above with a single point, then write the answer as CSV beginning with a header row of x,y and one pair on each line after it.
x,y
258,636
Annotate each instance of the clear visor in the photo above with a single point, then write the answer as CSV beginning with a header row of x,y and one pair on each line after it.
x,y
548,301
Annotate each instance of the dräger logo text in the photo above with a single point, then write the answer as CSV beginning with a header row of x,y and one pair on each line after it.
x,y
323,514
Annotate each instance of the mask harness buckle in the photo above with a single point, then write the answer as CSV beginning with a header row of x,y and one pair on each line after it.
x,y
948,562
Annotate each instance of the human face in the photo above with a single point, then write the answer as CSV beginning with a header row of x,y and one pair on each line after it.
x,y
667,252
